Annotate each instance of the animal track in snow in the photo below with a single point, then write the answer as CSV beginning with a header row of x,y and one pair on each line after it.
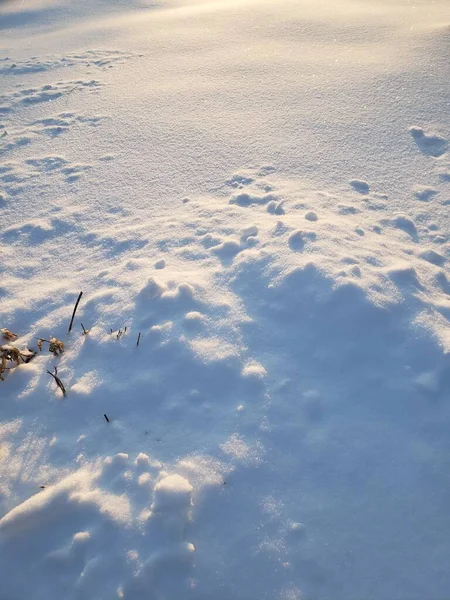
x,y
429,143
360,186
35,233
425,193
61,123
248,199
52,126
98,58
444,174
345,209
266,170
22,96
13,174
403,223
239,180
46,164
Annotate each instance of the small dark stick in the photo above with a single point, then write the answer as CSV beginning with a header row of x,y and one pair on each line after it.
x,y
139,339
74,311
58,381
85,331
106,417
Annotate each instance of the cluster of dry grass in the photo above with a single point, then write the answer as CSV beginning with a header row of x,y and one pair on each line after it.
x,y
11,356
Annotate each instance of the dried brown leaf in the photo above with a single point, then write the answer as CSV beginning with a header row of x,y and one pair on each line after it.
x,y
58,381
11,354
56,346
8,335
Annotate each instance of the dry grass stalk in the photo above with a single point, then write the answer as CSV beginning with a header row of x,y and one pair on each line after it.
x,y
74,311
120,333
58,381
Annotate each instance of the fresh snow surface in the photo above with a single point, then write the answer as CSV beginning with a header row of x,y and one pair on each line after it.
x,y
261,189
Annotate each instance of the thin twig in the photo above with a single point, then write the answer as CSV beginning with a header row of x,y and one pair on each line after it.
x,y
138,339
74,311
106,417
85,331
58,381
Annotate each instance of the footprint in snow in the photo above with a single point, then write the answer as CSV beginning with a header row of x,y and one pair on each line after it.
x,y
429,144
360,186
239,180
30,96
425,193
98,58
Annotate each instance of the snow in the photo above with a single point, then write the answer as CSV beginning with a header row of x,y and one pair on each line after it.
x,y
252,197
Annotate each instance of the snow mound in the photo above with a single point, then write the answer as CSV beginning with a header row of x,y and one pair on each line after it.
x,y
172,493
90,524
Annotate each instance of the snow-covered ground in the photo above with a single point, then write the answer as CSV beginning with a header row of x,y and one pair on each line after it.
x,y
261,190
